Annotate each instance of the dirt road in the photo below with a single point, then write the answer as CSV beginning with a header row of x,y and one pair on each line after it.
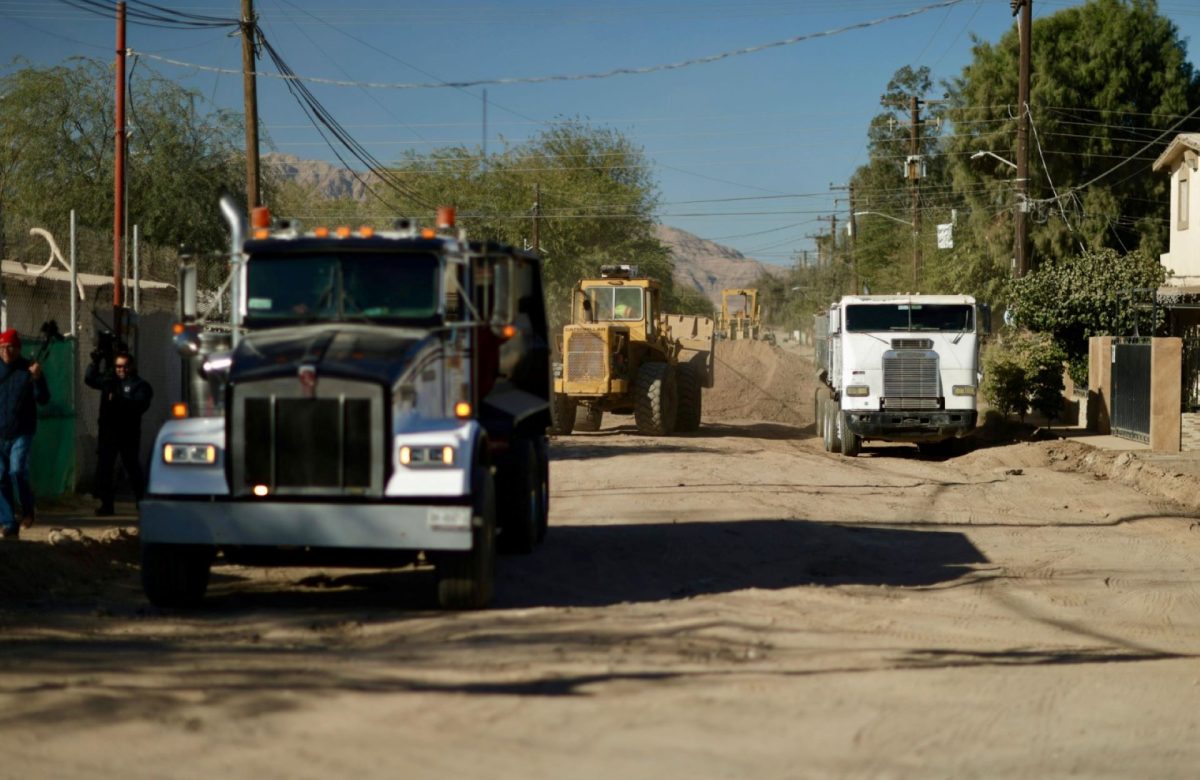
x,y
734,604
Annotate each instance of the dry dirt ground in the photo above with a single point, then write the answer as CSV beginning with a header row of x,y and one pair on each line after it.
x,y
731,604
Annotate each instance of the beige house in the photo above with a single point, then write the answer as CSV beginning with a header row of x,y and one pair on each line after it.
x,y
1182,159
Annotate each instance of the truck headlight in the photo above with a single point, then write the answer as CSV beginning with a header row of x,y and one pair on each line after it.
x,y
189,454
858,390
964,389
427,456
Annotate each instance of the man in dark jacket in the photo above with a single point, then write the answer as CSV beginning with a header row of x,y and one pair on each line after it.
x,y
22,386
124,398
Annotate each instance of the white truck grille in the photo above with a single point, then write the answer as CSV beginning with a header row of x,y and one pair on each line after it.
x,y
910,374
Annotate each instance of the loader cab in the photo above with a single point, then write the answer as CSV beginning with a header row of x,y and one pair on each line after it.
x,y
619,299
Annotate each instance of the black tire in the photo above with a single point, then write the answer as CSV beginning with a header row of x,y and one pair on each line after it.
x,y
519,509
655,399
562,414
826,428
543,456
175,575
588,418
833,432
691,402
467,579
851,442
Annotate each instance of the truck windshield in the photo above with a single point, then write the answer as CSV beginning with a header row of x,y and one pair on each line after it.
x,y
953,317
349,286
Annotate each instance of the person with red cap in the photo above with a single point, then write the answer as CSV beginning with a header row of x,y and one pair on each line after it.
x,y
22,388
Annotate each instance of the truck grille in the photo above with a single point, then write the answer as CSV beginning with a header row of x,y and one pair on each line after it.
x,y
331,444
910,374
587,359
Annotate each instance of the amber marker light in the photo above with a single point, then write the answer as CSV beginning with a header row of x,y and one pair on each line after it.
x,y
366,231
179,411
462,409
428,233
261,233
321,232
261,490
508,331
343,232
178,328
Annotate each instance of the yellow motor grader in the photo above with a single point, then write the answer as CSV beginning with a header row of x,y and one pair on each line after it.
x,y
740,315
623,354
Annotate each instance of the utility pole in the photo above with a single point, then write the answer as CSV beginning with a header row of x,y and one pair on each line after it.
x,y
853,230
914,180
537,215
250,90
833,220
119,180
1021,262
816,237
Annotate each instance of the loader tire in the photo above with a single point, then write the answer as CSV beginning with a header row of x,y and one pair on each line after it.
x,y
655,399
562,414
588,418
691,404
467,579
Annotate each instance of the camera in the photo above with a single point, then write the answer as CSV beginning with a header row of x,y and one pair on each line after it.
x,y
106,347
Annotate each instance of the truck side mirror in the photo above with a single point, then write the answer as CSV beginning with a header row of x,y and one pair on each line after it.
x,y
985,320
835,321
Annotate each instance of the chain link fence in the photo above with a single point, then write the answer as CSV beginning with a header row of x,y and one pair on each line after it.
x,y
37,295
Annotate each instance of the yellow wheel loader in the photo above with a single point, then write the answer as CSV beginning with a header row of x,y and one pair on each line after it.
x,y
623,354
741,317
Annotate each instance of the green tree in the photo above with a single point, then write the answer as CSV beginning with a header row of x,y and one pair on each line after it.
x,y
56,154
596,202
1108,76
884,247
1086,295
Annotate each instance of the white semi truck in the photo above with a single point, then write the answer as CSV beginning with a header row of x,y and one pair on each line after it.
x,y
898,368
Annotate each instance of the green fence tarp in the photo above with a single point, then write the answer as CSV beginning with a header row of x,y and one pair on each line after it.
x,y
52,457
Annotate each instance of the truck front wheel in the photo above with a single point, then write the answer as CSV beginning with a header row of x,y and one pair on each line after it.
x,y
175,575
466,580
851,442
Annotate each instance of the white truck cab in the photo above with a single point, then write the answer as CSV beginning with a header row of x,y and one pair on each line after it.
x,y
898,368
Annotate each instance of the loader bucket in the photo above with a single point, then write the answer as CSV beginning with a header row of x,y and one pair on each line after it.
x,y
696,337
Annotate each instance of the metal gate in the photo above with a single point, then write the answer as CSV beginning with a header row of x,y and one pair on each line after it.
x,y
1131,389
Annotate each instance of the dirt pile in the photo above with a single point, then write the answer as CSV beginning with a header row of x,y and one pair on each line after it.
x,y
758,381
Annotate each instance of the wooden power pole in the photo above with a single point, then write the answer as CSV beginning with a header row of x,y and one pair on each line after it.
x,y
250,88
1021,263
914,181
852,229
119,180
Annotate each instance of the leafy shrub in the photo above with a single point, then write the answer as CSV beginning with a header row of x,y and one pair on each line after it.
x,y
1023,372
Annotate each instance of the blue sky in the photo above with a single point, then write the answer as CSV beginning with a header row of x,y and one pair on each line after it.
x,y
744,149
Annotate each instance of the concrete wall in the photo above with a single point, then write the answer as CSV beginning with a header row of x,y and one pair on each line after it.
x,y
1166,366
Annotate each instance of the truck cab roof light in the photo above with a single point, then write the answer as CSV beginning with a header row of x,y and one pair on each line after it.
x,y
260,217
366,231
261,233
343,232
445,217
321,232
428,233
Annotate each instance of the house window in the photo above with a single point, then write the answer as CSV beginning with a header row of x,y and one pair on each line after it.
x,y
1181,221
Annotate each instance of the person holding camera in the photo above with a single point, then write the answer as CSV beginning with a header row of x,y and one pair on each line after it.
x,y
22,388
124,398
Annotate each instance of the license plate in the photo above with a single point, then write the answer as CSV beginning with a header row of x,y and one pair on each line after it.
x,y
446,518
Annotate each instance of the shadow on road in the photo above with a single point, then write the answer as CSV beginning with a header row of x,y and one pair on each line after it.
x,y
602,565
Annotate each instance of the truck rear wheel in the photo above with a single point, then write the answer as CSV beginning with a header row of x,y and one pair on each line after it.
x,y
520,499
833,439
175,575
588,418
691,403
467,579
562,414
655,399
